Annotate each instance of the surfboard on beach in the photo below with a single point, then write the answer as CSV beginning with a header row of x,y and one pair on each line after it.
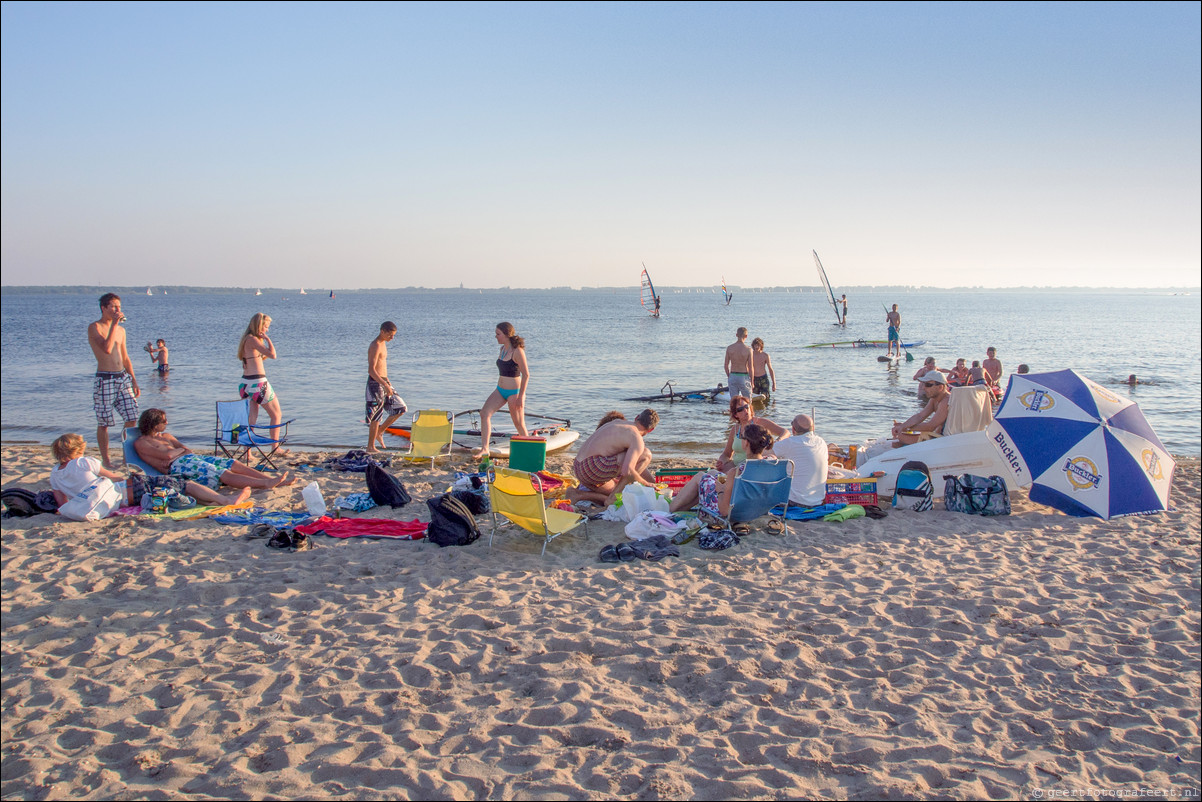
x,y
467,434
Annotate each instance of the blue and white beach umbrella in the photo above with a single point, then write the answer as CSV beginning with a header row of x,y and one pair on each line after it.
x,y
1083,449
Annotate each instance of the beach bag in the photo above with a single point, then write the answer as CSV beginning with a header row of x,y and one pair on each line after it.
x,y
650,523
976,495
98,500
476,501
451,523
21,503
914,490
385,488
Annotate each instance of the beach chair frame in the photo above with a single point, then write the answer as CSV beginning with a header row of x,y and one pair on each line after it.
x,y
431,435
235,437
518,497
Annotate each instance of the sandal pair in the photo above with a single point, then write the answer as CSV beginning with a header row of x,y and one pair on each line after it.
x,y
775,527
290,540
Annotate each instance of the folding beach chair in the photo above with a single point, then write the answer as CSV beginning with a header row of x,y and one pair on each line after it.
x,y
430,435
128,435
518,496
760,485
236,438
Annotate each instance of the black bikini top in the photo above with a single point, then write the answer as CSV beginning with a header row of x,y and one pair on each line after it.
x,y
507,367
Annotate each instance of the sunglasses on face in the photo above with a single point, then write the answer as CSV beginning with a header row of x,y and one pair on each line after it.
x,y
931,384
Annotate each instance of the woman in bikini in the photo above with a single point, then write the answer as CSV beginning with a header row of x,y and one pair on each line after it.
x,y
253,348
743,417
511,386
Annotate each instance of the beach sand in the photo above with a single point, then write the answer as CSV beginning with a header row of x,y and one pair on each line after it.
x,y
922,655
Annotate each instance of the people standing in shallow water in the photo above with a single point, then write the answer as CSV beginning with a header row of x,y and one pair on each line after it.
x,y
511,386
253,348
158,356
764,381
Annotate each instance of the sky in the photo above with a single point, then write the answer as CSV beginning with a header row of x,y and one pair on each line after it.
x,y
351,145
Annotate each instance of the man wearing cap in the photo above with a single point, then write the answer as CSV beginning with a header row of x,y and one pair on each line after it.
x,y
809,454
929,421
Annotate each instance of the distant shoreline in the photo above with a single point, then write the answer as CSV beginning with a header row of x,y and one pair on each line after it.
x,y
81,289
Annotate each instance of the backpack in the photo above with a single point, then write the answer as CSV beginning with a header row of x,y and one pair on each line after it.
x,y
19,503
476,501
451,523
914,490
386,489
976,495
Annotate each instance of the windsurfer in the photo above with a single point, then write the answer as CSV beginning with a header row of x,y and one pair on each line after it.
x,y
843,300
738,365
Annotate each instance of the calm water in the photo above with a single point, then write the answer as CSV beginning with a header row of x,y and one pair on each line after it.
x,y
588,351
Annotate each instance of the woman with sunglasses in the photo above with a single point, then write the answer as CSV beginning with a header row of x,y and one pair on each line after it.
x,y
710,490
743,416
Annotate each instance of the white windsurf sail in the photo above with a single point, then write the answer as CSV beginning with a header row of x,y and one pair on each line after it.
x,y
649,299
830,294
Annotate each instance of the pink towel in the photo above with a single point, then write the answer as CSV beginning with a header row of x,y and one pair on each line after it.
x,y
366,527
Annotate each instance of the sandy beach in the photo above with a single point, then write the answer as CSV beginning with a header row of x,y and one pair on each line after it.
x,y
922,655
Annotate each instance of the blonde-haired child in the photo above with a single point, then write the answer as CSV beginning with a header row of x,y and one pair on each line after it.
x,y
75,472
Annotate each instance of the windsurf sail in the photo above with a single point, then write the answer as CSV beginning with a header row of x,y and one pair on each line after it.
x,y
725,294
830,294
649,298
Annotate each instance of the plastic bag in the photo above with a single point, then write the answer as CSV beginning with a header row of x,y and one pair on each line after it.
x,y
640,498
313,500
650,523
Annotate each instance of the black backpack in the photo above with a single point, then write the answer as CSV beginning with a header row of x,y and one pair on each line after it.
x,y
386,489
476,501
451,523
21,503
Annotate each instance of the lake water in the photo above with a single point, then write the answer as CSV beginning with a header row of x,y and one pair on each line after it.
x,y
588,350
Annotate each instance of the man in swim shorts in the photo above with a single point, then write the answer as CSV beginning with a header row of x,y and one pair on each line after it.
x,y
893,318
166,454
613,457
738,365
379,396
114,386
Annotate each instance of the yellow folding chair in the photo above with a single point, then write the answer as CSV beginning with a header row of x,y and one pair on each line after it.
x,y
518,496
430,435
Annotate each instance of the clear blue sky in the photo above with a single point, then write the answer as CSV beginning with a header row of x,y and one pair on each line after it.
x,y
376,145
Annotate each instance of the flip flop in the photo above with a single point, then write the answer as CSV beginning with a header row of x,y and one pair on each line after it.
x,y
775,527
260,531
280,540
301,541
626,552
741,528
609,554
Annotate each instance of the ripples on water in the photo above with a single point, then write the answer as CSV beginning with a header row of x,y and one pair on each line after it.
x,y
587,351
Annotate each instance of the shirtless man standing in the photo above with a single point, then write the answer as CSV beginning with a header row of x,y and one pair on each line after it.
x,y
115,385
993,366
893,318
380,397
738,365
613,457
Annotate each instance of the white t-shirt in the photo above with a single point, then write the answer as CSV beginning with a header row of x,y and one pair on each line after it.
x,y
809,454
74,477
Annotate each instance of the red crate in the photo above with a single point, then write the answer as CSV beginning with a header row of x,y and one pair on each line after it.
x,y
675,478
851,491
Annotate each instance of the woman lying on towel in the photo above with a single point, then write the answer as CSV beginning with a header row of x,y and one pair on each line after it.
x,y
710,491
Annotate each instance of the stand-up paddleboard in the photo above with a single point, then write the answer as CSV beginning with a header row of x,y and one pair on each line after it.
x,y
892,360
467,433
865,344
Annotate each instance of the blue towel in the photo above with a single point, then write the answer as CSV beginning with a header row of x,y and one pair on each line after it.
x,y
807,513
355,502
279,519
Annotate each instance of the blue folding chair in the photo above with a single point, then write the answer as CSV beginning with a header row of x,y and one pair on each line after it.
x,y
128,435
760,485
237,438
